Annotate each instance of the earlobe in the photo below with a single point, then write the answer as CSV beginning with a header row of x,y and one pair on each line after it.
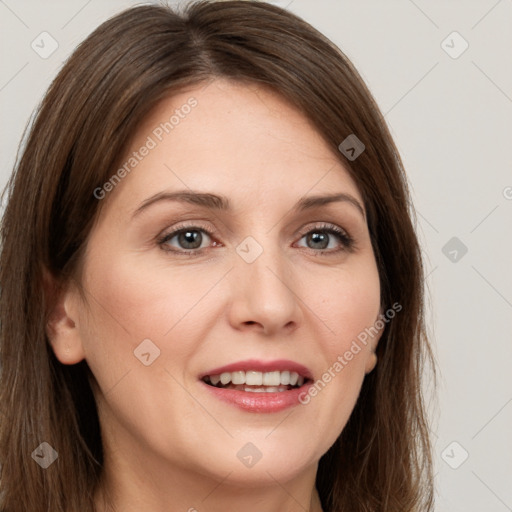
x,y
61,327
371,362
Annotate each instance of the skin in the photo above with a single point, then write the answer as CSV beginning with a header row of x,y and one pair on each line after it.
x,y
170,445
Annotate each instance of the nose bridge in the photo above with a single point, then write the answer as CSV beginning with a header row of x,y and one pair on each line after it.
x,y
263,265
263,283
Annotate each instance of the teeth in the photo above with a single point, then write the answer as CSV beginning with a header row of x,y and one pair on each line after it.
x,y
253,378
261,389
269,380
272,379
285,378
238,377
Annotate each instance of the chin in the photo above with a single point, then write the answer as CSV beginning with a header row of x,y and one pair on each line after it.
x,y
253,461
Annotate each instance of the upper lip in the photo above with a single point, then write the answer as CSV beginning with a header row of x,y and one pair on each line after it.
x,y
261,366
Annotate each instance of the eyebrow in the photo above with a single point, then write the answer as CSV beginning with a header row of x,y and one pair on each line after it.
x,y
220,202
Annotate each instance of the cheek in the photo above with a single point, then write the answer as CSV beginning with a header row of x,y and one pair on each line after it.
x,y
350,304
129,303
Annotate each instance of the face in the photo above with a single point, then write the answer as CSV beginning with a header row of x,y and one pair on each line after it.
x,y
213,258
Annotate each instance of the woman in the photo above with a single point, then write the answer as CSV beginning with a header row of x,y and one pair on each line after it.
x,y
212,291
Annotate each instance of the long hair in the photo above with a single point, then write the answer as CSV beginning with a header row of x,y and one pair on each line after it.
x,y
382,459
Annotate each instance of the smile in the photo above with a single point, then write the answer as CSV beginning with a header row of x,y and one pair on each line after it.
x,y
256,382
258,386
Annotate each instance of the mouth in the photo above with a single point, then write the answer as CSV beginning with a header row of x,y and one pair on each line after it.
x,y
253,381
257,386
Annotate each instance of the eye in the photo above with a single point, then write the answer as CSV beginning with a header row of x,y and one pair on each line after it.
x,y
188,240
324,237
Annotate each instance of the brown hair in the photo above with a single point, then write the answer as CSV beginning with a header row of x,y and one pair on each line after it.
x,y
382,459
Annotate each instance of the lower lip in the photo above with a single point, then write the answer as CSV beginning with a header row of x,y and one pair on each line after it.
x,y
259,402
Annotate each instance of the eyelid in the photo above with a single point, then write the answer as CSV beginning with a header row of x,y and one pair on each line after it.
x,y
189,225
321,225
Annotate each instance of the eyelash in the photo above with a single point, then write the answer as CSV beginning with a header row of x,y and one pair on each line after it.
x,y
347,241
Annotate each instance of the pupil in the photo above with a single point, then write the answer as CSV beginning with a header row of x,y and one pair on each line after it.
x,y
190,239
319,238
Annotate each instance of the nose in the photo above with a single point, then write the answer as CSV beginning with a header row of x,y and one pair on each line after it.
x,y
265,296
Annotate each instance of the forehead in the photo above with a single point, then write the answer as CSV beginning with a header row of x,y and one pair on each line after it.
x,y
233,138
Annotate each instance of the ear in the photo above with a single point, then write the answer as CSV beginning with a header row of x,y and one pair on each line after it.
x,y
62,320
371,360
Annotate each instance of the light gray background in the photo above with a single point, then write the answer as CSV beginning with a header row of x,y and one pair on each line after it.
x,y
452,121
